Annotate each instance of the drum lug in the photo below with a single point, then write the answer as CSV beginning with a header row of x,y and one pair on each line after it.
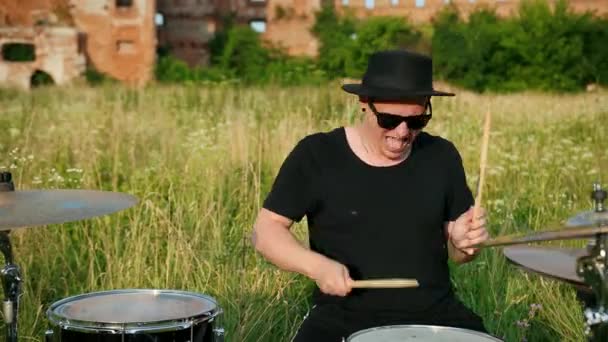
x,y
48,336
219,334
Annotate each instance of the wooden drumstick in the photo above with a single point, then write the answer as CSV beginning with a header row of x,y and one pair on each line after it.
x,y
547,235
482,165
384,283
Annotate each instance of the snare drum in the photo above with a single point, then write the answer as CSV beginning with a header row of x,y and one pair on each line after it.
x,y
431,333
135,316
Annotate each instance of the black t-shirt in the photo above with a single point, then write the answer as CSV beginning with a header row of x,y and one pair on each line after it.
x,y
381,222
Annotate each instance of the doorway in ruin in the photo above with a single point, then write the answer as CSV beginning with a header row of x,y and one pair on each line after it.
x,y
40,79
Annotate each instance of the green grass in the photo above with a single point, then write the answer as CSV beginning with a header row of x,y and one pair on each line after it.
x,y
201,161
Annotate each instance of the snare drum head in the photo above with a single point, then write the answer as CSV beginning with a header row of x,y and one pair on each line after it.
x,y
132,306
399,333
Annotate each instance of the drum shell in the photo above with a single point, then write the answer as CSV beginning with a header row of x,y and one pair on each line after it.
x,y
203,331
202,327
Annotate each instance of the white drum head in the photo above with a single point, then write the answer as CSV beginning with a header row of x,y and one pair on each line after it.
x,y
415,333
125,309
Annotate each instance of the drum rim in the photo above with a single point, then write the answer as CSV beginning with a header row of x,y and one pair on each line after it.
x,y
131,327
440,327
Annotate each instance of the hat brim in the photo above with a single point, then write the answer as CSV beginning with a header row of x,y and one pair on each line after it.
x,y
390,93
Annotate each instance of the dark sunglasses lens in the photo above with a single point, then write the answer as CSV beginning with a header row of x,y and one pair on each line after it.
x,y
417,122
388,121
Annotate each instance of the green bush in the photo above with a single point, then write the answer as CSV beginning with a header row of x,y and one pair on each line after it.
x,y
345,45
541,48
379,33
335,35
242,57
95,78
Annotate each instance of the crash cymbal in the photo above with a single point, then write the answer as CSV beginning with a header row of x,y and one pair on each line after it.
x,y
588,218
20,209
553,262
546,235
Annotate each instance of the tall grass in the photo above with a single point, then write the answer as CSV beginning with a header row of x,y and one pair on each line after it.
x,y
201,161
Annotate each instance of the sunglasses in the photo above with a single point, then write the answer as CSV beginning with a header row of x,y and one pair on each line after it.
x,y
391,121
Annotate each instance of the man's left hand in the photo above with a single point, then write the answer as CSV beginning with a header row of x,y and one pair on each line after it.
x,y
466,232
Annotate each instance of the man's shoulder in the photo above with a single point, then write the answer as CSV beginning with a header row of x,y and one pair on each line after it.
x,y
436,143
321,143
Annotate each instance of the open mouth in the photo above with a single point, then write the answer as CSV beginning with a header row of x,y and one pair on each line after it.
x,y
397,144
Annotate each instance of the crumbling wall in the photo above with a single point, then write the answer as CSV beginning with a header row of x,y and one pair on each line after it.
x,y
187,29
31,12
121,40
57,53
289,23
189,25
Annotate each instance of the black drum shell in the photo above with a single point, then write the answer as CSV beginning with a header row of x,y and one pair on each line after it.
x,y
136,315
198,332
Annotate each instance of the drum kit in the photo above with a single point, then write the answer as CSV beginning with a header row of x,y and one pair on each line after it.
x,y
179,316
109,316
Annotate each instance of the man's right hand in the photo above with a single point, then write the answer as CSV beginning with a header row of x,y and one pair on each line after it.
x,y
332,278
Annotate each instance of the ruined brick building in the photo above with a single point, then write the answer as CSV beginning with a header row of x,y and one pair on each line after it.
x,y
117,37
120,37
187,26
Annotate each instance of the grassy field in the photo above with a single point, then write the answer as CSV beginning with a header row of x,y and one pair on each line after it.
x,y
202,159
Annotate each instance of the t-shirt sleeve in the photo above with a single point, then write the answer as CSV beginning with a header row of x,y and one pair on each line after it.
x,y
291,194
459,197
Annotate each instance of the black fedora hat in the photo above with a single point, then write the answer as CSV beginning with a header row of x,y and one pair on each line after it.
x,y
396,75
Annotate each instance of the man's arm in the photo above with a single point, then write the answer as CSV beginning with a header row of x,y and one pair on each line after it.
x,y
273,239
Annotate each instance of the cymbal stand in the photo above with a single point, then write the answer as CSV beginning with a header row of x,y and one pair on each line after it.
x,y
594,269
11,276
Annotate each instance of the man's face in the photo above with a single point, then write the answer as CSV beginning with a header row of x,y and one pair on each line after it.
x,y
394,143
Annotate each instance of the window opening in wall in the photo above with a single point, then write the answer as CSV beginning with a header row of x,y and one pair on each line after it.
x,y
258,25
369,4
419,3
159,19
394,2
125,47
124,3
18,52
211,26
344,2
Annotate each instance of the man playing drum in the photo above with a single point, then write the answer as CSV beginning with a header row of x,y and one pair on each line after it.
x,y
383,199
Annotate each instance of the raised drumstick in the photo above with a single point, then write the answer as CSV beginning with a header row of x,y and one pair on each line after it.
x,y
384,283
482,165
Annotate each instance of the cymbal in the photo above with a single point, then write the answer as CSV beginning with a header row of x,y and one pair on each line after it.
x,y
553,262
588,218
20,209
546,235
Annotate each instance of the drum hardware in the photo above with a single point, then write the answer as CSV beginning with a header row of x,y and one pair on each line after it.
x,y
593,268
590,264
19,209
11,276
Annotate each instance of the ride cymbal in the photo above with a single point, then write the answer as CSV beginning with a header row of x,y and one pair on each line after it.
x,y
588,218
19,209
553,262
